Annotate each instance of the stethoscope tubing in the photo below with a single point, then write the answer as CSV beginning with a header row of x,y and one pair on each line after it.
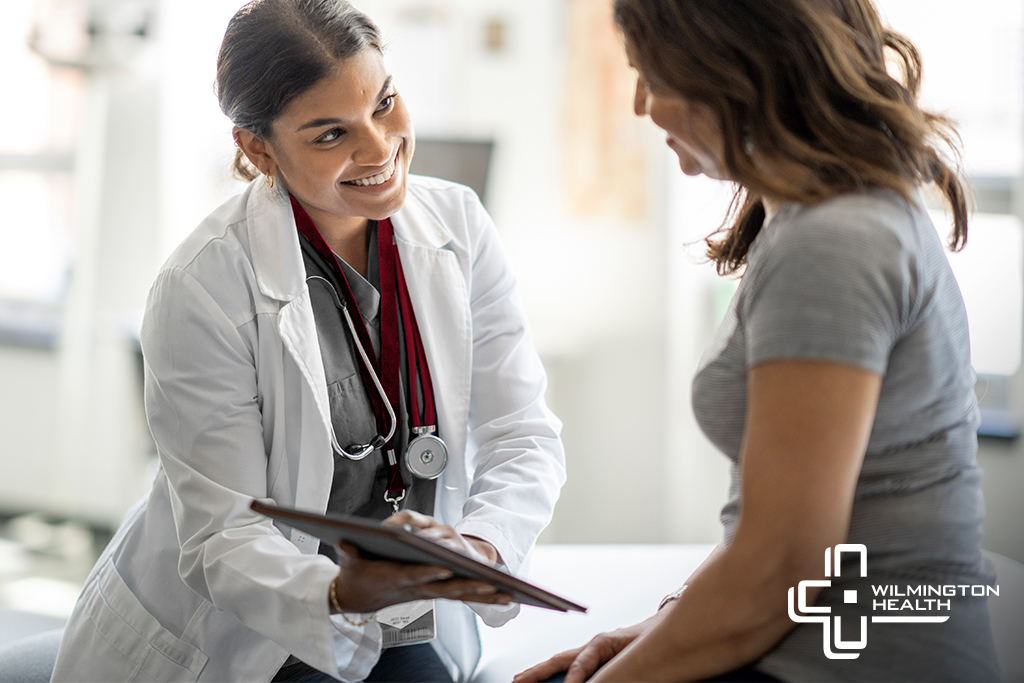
x,y
373,445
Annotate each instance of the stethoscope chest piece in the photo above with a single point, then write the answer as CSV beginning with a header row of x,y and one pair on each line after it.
x,y
426,456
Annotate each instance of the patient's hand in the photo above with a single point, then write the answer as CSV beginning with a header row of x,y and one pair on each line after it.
x,y
582,662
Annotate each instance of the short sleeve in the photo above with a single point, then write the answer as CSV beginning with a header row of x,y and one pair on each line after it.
x,y
829,285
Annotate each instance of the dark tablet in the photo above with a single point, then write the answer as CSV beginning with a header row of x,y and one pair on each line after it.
x,y
402,544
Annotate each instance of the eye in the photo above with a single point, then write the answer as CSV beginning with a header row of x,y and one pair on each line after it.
x,y
386,103
330,136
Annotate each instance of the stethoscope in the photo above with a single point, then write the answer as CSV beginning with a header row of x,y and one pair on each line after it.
x,y
426,455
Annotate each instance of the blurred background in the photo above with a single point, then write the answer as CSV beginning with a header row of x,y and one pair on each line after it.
x,y
112,149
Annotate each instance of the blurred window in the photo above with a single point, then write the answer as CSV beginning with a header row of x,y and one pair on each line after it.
x,y
990,272
38,133
974,73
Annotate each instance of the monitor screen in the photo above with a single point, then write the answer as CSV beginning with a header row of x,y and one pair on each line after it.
x,y
461,161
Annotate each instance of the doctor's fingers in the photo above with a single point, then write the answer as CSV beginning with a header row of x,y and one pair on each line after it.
x,y
427,527
364,586
464,590
393,575
441,532
381,576
399,574
347,552
430,528
447,536
412,518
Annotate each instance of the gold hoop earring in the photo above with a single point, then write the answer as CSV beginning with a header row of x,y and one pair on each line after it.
x,y
270,181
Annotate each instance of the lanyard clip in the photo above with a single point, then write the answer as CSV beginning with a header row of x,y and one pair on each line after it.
x,y
394,497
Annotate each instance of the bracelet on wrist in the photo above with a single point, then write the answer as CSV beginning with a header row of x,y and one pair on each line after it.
x,y
674,595
339,610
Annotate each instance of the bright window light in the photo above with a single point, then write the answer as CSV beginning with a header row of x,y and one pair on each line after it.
x,y
990,272
34,252
37,140
973,72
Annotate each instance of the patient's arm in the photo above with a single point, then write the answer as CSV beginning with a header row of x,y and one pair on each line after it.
x,y
808,424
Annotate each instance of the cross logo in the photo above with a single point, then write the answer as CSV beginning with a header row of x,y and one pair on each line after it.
x,y
798,600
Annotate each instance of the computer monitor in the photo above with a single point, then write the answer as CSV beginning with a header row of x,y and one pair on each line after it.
x,y
461,161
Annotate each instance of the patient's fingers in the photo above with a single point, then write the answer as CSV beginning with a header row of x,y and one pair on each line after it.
x,y
581,663
601,649
593,655
545,670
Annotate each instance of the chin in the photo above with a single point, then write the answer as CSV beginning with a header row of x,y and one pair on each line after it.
x,y
691,169
389,208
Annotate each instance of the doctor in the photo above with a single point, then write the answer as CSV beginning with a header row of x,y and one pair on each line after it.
x,y
340,337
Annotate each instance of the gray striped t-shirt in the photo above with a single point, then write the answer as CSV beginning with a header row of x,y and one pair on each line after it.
x,y
862,279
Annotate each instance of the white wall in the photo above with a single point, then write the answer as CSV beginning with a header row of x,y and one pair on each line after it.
x,y
28,400
594,289
77,441
621,309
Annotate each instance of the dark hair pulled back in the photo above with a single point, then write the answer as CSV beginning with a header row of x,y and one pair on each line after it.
x,y
806,103
274,50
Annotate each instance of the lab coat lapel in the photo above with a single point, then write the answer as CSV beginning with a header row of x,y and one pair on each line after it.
x,y
280,273
440,298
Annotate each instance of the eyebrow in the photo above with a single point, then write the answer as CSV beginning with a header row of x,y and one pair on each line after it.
x,y
317,123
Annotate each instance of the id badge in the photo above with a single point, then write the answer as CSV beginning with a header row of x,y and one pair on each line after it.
x,y
407,624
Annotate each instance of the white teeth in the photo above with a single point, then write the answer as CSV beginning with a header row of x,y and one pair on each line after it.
x,y
374,180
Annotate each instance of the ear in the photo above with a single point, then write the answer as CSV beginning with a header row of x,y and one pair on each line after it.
x,y
259,153
640,97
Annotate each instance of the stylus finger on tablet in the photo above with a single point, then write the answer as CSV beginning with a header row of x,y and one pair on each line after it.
x,y
410,518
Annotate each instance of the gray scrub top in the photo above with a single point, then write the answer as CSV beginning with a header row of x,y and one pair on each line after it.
x,y
862,279
359,485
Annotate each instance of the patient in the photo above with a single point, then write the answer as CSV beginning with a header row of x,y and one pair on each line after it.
x,y
839,384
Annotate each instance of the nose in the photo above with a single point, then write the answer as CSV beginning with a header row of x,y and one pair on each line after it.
x,y
640,99
375,146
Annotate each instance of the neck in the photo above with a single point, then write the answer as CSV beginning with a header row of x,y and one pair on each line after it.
x,y
771,207
347,236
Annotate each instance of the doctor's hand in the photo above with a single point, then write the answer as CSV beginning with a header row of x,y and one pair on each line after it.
x,y
582,662
477,548
367,585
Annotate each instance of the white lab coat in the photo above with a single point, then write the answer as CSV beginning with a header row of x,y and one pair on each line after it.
x,y
194,585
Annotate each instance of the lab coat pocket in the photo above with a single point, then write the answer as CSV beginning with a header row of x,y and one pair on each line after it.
x,y
351,412
148,651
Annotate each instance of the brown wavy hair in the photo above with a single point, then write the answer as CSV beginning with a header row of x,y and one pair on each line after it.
x,y
807,107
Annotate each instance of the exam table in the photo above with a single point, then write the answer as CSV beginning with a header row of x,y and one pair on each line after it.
x,y
621,584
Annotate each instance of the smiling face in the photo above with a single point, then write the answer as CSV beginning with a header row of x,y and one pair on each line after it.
x,y
694,133
342,147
